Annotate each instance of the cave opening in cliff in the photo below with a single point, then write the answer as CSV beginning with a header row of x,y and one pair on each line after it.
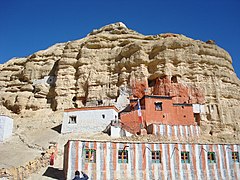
x,y
151,83
174,79
74,99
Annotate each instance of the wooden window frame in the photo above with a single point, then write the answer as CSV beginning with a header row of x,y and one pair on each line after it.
x,y
90,155
235,156
185,157
211,157
156,156
122,156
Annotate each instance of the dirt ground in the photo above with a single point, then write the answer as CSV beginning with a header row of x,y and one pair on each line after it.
x,y
33,133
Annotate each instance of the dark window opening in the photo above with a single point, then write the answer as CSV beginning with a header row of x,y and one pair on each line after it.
x,y
158,106
185,157
174,79
122,156
151,83
72,120
184,116
156,156
211,157
235,156
100,102
163,116
103,116
90,155
197,118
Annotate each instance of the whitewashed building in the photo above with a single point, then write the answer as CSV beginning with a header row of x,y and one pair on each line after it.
x,y
151,160
88,119
6,127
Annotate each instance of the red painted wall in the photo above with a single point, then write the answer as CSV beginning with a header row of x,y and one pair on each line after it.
x,y
170,114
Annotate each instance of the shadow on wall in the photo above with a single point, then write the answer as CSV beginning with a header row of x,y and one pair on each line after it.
x,y
57,128
54,173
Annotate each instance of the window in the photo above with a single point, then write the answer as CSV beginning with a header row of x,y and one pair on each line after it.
x,y
174,79
72,120
103,116
235,156
197,118
211,157
90,155
158,106
99,102
156,157
122,156
185,157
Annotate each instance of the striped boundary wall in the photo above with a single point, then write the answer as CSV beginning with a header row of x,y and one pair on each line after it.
x,y
140,165
177,131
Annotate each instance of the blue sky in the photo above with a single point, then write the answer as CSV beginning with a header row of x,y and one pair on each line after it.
x,y
27,26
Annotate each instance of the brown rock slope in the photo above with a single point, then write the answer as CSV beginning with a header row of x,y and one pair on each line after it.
x,y
102,66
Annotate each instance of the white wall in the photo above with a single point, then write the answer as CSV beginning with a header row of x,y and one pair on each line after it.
x,y
117,132
6,127
141,166
198,108
88,120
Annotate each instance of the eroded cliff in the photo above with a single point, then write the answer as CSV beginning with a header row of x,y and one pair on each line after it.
x,y
104,65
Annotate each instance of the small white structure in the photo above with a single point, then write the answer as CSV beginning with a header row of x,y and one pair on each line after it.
x,y
117,132
46,80
198,108
6,127
88,119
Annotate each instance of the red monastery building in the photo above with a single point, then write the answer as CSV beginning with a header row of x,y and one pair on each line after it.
x,y
158,110
162,102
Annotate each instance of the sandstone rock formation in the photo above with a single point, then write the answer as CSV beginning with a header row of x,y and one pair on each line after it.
x,y
100,67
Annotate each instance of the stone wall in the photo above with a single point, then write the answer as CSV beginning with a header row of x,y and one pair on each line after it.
x,y
22,172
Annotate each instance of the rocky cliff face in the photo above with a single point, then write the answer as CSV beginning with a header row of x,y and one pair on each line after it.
x,y
100,69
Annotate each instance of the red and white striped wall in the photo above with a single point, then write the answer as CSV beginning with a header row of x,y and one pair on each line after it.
x,y
176,132
140,165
